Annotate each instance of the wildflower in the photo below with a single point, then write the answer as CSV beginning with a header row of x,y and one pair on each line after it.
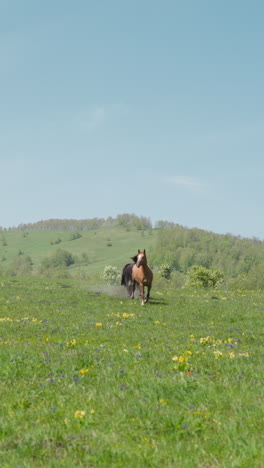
x,y
205,340
125,350
98,324
163,401
232,355
125,315
79,414
72,342
84,371
218,354
245,354
182,359
93,411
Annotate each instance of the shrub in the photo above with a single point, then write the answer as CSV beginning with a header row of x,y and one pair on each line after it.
x,y
74,236
202,277
55,242
254,280
60,259
111,275
165,270
21,266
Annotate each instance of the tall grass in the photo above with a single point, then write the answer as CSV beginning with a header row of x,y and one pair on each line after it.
x,y
97,381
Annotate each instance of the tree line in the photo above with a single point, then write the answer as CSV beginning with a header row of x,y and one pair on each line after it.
x,y
181,248
125,220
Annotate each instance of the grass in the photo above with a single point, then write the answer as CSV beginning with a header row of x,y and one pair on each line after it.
x,y
98,381
37,244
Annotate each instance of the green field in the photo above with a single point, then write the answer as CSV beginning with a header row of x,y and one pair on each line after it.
x,y
95,244
89,380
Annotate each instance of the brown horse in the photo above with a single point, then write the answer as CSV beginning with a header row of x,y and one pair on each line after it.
x,y
142,274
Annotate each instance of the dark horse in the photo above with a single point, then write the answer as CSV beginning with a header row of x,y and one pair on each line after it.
x,y
142,275
126,279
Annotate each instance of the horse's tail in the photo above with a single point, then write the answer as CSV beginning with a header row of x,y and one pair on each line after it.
x,y
125,275
123,279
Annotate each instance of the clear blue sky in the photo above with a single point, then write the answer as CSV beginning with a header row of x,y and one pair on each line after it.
x,y
152,107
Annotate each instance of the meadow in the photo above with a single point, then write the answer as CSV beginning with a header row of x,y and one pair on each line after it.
x,y
95,380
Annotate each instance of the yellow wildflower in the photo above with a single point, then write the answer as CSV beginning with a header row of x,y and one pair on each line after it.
x,y
84,371
98,324
163,401
79,414
205,340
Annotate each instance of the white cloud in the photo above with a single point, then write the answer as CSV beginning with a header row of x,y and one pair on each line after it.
x,y
186,182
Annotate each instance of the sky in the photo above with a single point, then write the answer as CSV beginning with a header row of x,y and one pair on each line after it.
x,y
151,107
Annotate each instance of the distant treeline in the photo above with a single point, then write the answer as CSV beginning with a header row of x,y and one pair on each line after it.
x,y
182,248
125,220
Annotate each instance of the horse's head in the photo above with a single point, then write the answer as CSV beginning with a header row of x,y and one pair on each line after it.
x,y
141,258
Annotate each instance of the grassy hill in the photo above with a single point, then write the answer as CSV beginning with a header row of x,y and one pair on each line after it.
x,y
105,246
93,244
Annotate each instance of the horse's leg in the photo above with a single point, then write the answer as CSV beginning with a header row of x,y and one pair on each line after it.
x,y
130,288
141,287
148,293
133,289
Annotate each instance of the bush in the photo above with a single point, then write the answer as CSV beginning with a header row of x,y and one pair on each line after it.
x,y
254,280
202,277
111,275
60,259
21,266
74,236
55,242
165,270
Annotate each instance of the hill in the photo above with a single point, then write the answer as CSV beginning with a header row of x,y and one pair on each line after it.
x,y
93,244
92,249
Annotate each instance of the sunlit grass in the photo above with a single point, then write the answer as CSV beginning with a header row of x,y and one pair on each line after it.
x,y
92,380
